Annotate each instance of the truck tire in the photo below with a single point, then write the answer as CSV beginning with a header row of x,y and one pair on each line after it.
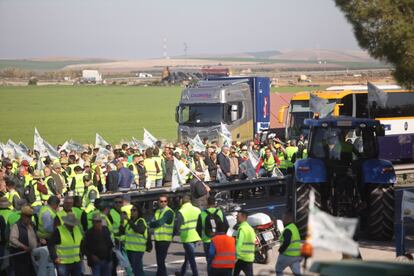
x,y
302,207
380,213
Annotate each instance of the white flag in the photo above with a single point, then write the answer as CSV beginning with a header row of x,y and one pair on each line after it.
x,y
182,170
137,143
376,95
221,177
249,166
102,155
23,147
224,130
329,232
40,165
320,106
197,144
38,142
100,142
50,151
149,140
407,209
17,152
9,150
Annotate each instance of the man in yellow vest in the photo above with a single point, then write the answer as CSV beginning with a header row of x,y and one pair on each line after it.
x,y
245,245
12,195
91,193
64,247
206,227
136,234
67,208
186,224
46,217
291,151
151,166
163,225
289,250
78,184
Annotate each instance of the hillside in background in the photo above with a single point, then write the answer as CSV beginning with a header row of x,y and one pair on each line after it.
x,y
291,58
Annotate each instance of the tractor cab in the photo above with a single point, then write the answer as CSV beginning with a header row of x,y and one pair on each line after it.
x,y
343,140
346,175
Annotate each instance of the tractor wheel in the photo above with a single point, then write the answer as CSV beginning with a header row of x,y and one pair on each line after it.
x,y
302,205
380,213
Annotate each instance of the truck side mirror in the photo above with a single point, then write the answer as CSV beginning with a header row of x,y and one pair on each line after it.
x,y
176,114
380,131
281,114
234,112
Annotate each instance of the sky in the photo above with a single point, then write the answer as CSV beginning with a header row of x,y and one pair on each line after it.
x,y
136,29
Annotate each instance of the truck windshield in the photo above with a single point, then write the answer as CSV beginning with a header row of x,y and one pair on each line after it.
x,y
295,123
343,143
205,114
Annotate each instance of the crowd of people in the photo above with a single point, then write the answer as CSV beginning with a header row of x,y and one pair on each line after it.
x,y
31,215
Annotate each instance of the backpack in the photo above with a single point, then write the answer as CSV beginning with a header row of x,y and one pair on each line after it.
x,y
29,193
212,219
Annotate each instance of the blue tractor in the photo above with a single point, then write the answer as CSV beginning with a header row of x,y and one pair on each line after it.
x,y
346,175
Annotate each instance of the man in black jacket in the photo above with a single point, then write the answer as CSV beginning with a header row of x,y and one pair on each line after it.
x,y
98,247
224,161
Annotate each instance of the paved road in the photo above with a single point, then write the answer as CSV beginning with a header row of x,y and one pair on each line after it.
x,y
369,250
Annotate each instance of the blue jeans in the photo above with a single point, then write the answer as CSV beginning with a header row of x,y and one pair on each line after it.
x,y
102,268
135,258
158,183
206,246
288,261
264,173
189,249
74,269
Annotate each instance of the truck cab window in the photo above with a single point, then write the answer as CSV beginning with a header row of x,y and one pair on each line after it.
x,y
233,107
200,114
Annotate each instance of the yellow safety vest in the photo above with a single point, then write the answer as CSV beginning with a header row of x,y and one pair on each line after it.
x,y
134,241
68,251
10,196
269,164
188,232
38,200
149,164
41,232
79,185
283,162
245,248
165,231
293,249
204,214
127,209
290,151
85,200
159,160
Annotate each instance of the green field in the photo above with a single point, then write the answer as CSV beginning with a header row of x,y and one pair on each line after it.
x,y
36,65
78,112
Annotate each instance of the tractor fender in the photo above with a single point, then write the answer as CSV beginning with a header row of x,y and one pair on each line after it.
x,y
378,171
310,170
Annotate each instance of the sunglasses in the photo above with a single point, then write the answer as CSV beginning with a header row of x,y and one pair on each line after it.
x,y
163,201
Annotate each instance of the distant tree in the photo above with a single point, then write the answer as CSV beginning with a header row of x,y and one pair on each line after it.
x,y
386,29
32,81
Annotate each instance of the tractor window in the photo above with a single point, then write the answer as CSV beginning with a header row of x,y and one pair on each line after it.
x,y
343,144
